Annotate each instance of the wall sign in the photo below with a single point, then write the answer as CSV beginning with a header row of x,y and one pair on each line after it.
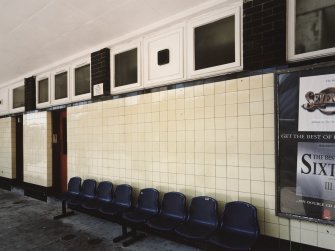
x,y
306,144
98,89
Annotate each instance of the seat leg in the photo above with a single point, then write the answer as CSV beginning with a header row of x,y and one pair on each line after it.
x,y
124,234
64,212
134,238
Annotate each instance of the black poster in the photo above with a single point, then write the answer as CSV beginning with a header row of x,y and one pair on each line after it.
x,y
306,144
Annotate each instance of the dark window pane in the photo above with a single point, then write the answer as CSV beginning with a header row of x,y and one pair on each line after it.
x,y
18,97
314,27
82,80
126,68
61,85
214,43
43,90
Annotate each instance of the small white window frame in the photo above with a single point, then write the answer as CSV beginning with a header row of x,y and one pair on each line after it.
x,y
137,44
4,101
53,75
291,56
11,88
148,82
39,78
210,18
78,64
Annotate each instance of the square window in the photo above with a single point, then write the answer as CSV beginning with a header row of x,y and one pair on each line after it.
x,y
18,97
43,90
163,57
214,43
126,68
311,32
82,80
61,85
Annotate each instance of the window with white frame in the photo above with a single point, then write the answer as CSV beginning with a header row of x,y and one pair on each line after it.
x,y
61,86
43,91
126,67
214,43
17,100
311,29
81,83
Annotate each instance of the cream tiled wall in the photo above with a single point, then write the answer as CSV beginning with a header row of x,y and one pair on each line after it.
x,y
37,148
7,148
216,139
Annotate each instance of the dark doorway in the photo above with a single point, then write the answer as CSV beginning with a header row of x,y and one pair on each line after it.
x,y
19,150
59,151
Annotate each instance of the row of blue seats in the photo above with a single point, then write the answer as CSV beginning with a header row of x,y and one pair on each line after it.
x,y
237,230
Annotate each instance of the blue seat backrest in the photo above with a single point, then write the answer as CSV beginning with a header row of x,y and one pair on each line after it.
x,y
174,205
105,191
240,217
74,185
88,188
203,210
122,195
148,200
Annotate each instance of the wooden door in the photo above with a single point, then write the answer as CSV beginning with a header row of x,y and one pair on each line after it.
x,y
59,151
63,150
19,150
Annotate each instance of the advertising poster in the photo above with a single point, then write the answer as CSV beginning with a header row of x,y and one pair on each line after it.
x,y
306,144
317,103
315,170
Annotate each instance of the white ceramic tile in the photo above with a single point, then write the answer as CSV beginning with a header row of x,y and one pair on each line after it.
x,y
244,186
7,148
243,122
37,156
243,84
284,232
256,81
309,237
268,80
272,229
231,85
326,240
243,96
295,234
257,187
256,95
220,87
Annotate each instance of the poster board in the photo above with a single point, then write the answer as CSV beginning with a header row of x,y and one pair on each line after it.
x,y
306,144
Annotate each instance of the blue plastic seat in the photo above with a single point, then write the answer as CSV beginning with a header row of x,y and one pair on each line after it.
x,y
73,192
121,202
103,195
202,220
87,193
73,187
172,214
239,228
147,207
